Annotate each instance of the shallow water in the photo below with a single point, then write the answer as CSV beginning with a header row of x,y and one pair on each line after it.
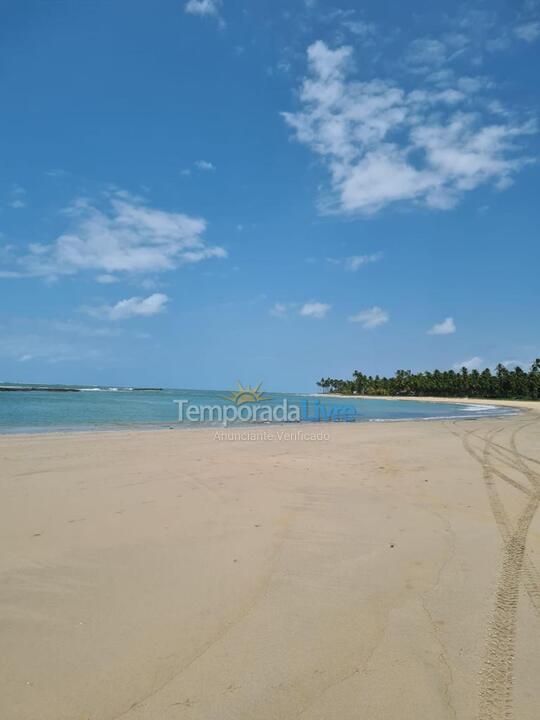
x,y
110,408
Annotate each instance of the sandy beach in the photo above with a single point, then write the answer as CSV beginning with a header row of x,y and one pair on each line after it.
x,y
381,571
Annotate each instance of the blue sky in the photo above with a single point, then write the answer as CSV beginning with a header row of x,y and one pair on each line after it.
x,y
195,192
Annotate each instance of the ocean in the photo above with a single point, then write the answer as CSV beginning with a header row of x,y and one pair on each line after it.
x,y
88,408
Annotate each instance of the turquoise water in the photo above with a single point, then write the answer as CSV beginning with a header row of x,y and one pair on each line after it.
x,y
98,408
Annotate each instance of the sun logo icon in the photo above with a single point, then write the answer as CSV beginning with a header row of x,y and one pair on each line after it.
x,y
246,394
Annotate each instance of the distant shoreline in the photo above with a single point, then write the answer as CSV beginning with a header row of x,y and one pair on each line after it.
x,y
68,389
7,388
521,404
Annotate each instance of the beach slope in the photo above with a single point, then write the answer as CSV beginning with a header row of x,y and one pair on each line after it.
x,y
387,571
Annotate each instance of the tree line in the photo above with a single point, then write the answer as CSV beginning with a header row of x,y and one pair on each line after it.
x,y
502,383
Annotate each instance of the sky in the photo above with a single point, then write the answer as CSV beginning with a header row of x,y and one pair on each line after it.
x,y
195,192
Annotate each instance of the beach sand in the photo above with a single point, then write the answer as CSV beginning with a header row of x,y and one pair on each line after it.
x,y
388,572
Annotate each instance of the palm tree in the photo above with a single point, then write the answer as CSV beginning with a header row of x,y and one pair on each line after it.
x,y
504,383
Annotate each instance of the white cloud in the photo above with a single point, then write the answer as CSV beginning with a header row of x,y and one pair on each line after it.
x,y
131,307
355,262
371,318
383,145
446,327
488,30
315,310
203,7
471,364
311,309
528,31
513,364
204,165
123,236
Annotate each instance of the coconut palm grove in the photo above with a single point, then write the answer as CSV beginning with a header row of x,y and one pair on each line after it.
x,y
503,383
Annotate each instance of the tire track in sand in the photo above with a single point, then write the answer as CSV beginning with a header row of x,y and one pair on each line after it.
x,y
496,677
530,574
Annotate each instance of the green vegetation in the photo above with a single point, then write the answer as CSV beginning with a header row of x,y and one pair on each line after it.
x,y
504,383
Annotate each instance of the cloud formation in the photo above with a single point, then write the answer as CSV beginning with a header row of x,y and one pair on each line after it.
x,y
383,144
204,165
310,309
355,262
446,327
528,31
203,8
316,310
123,236
471,364
371,318
131,307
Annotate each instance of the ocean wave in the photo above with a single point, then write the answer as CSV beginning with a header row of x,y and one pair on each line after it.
x,y
497,411
106,389
480,408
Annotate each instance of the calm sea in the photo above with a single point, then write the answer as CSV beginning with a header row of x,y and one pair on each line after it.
x,y
110,408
